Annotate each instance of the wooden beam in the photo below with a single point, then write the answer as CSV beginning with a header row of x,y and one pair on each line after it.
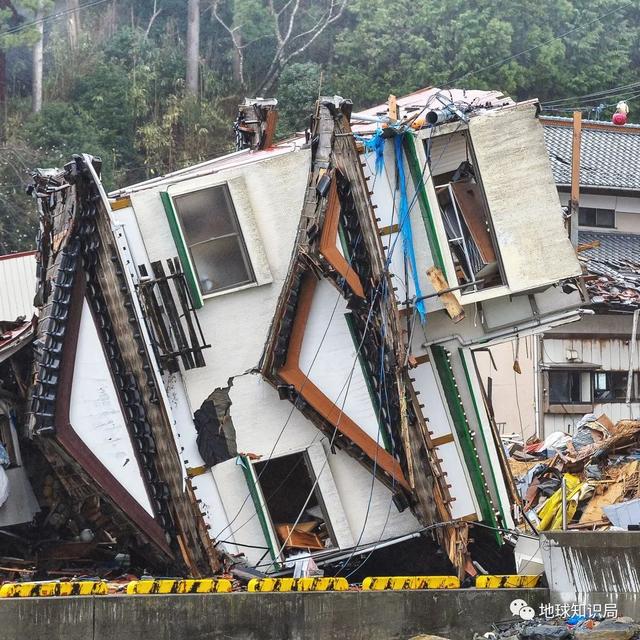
x,y
450,302
574,202
393,107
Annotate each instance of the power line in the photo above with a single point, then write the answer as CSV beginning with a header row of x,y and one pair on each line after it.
x,y
499,63
52,16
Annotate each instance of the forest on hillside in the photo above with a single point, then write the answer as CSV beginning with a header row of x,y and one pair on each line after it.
x,y
153,85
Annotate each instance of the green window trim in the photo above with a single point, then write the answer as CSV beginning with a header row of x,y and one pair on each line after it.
x,y
415,169
183,250
249,475
461,425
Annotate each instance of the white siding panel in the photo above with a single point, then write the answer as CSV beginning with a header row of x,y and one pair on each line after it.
x,y
17,285
96,416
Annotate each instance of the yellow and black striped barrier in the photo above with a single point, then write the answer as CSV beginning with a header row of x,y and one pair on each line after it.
x,y
507,582
157,586
49,589
401,583
297,584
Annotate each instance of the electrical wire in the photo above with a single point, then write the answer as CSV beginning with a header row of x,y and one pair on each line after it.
x,y
560,36
48,18
291,412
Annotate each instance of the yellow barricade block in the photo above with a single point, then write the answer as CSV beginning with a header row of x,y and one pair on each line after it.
x,y
297,584
399,583
49,589
507,582
168,585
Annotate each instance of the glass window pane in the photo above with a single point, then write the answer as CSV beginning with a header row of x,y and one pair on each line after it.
x,y
619,384
205,214
221,264
605,218
587,216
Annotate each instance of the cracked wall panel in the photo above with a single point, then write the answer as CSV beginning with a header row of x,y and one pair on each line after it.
x,y
352,481
275,190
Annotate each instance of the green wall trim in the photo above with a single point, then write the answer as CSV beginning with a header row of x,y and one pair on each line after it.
x,y
467,376
425,208
448,381
262,517
183,251
365,365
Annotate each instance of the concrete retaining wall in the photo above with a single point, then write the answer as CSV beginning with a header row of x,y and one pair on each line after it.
x,y
594,567
399,615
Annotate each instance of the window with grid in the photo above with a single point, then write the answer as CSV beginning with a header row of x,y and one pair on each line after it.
x,y
214,239
597,217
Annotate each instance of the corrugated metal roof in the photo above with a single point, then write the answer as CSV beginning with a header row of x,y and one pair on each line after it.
x,y
608,158
17,285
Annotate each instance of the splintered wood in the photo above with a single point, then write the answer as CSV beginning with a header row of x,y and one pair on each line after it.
x,y
441,287
622,483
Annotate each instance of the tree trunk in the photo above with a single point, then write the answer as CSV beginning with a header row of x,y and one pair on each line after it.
x,y
237,64
3,94
36,86
73,22
193,46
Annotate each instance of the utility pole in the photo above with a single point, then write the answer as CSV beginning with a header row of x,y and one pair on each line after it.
x,y
574,202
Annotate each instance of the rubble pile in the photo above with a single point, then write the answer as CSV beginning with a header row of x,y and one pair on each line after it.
x,y
600,467
577,627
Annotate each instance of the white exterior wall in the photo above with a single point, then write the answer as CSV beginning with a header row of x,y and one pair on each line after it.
x,y
627,209
611,353
17,285
236,323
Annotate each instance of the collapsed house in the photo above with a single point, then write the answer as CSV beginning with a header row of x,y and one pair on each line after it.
x,y
268,357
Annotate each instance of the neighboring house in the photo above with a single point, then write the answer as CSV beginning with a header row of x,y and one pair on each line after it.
x,y
18,503
584,367
273,353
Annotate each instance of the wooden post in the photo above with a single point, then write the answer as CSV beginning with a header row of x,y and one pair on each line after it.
x,y
574,202
393,107
450,302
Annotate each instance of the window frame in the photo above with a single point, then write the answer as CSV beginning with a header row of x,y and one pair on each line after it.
x,y
315,459
581,406
246,226
596,210
236,233
635,386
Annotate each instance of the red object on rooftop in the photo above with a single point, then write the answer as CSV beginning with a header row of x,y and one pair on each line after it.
x,y
619,118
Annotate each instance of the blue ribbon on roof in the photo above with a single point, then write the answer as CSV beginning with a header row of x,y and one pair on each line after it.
x,y
405,226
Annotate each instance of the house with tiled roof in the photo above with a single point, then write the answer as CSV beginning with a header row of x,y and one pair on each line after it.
x,y
584,367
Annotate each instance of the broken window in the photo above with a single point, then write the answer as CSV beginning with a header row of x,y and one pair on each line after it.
x,y
466,221
611,386
569,387
597,217
286,483
214,239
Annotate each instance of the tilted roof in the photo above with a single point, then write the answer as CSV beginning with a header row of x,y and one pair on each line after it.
x,y
609,154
